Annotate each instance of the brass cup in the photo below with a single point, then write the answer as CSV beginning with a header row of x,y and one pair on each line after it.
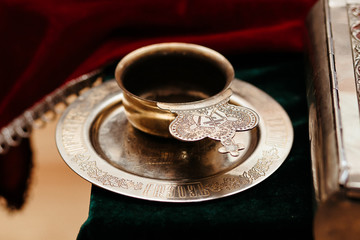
x,y
176,73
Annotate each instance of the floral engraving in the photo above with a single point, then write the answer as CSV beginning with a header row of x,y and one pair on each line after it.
x,y
258,170
219,122
103,177
72,137
354,22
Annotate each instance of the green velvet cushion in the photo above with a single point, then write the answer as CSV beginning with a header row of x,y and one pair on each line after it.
x,y
281,207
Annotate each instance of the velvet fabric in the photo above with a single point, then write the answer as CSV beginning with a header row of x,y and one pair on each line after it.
x,y
280,207
45,43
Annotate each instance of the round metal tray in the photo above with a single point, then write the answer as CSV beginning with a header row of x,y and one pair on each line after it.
x,y
97,142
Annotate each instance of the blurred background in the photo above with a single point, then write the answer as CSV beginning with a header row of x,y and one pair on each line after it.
x,y
58,199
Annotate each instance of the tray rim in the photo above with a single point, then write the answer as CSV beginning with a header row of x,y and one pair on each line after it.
x,y
208,188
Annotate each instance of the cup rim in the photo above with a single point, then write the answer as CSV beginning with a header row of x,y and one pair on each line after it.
x,y
207,52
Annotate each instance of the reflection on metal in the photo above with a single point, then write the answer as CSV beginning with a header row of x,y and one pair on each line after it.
x,y
334,119
182,90
333,97
97,141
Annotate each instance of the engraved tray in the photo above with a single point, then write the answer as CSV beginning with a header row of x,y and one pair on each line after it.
x,y
97,142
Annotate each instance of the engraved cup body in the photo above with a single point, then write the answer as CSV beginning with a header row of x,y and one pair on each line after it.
x,y
170,73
